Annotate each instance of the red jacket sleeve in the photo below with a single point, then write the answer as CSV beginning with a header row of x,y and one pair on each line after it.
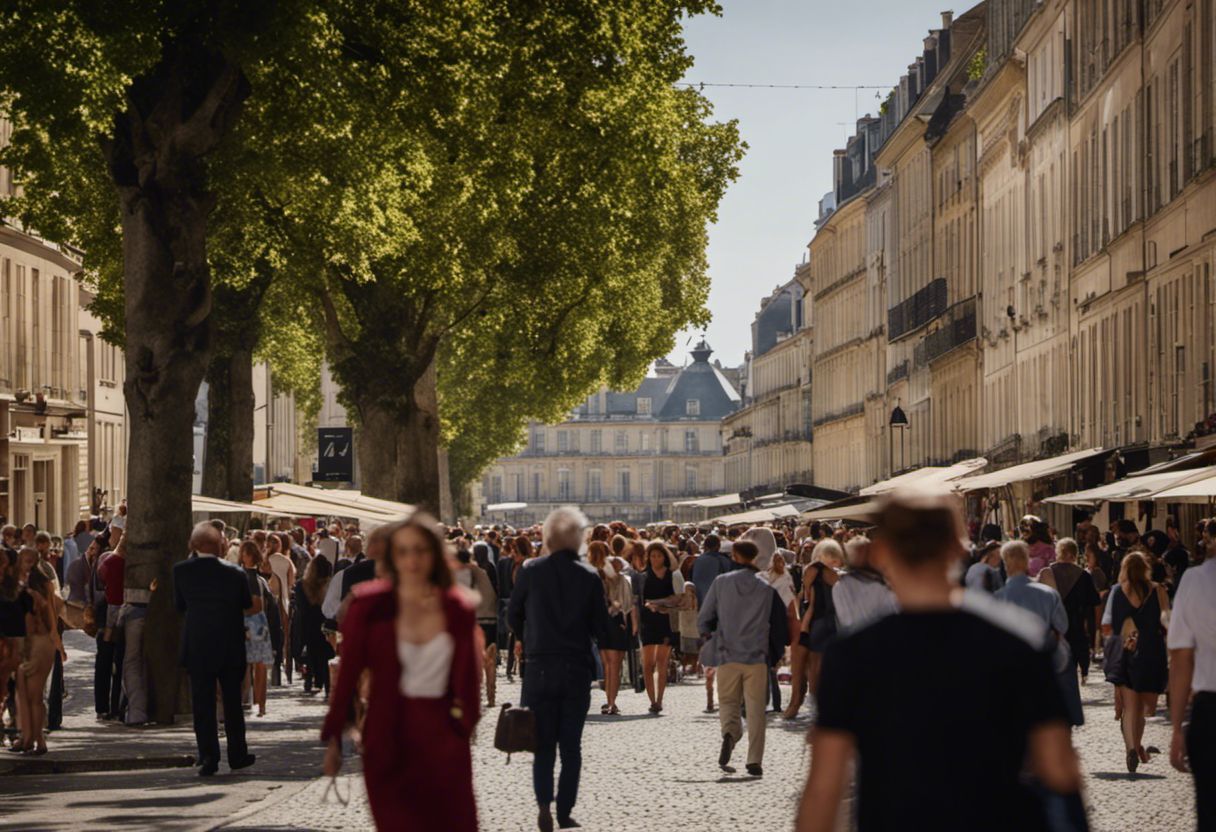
x,y
351,664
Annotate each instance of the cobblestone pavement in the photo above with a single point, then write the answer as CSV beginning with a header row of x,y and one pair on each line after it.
x,y
676,751
285,742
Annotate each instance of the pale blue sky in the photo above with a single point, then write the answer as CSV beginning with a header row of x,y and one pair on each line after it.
x,y
765,221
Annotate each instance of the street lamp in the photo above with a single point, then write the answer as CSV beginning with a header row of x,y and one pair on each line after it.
x,y
898,419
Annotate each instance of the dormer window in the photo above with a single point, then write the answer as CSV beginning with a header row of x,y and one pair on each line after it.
x,y
692,407
643,407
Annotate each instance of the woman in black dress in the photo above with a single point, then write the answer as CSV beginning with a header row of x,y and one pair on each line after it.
x,y
309,593
1137,658
818,622
619,598
660,594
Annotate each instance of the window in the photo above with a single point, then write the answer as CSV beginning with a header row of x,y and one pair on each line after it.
x,y
643,406
621,442
536,486
594,486
519,487
645,442
623,486
538,440
692,407
597,441
563,484
690,480
563,441
496,489
691,443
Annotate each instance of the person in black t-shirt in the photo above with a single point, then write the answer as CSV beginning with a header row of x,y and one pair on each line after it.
x,y
955,688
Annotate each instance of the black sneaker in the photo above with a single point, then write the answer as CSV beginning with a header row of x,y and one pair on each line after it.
x,y
568,823
754,770
728,745
208,768
544,819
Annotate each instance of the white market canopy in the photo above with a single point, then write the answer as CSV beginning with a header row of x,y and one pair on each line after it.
x,y
1135,487
929,478
759,515
214,505
342,498
852,509
711,502
506,506
1025,471
1196,491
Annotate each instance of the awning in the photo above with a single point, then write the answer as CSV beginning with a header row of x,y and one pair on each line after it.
x,y
1197,491
1186,462
214,505
710,502
927,478
339,497
1026,471
303,507
506,506
759,515
861,509
1136,487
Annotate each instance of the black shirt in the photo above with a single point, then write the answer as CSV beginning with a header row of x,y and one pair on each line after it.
x,y
940,705
562,600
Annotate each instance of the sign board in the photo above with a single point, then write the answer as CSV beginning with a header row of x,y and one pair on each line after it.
x,y
335,455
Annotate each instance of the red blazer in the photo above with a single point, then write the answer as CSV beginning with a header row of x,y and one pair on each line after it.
x,y
369,641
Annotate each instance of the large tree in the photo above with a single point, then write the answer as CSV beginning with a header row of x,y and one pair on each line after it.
x,y
516,211
117,108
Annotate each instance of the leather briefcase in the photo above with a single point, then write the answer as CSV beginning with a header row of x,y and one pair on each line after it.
x,y
516,730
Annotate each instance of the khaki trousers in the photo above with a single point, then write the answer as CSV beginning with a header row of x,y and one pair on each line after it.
x,y
739,683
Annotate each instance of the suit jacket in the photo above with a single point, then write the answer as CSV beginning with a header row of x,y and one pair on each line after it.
x,y
214,595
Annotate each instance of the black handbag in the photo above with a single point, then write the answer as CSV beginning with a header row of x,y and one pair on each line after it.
x,y
515,731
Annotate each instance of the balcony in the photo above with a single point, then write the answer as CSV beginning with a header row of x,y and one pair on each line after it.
x,y
918,310
843,413
958,330
897,373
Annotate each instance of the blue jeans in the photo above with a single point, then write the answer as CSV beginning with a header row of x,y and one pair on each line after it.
x,y
558,691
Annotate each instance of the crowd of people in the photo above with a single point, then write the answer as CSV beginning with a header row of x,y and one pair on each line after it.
x,y
871,625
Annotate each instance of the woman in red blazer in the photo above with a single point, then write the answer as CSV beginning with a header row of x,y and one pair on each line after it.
x,y
417,634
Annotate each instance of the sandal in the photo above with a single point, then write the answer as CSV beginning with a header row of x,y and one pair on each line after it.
x,y
614,711
604,709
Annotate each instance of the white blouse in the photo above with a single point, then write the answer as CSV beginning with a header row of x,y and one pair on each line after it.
x,y
426,668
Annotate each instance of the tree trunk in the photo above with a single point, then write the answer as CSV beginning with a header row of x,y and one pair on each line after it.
x,y
177,114
228,459
398,447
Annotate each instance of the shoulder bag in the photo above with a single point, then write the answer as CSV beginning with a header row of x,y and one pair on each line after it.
x,y
515,731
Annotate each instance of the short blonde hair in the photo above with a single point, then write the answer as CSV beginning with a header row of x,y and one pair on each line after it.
x,y
828,548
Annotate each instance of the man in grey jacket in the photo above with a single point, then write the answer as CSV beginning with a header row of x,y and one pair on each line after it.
x,y
749,632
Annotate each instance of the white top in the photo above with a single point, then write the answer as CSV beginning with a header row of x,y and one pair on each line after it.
x,y
425,668
861,600
328,548
1193,622
333,597
783,583
280,565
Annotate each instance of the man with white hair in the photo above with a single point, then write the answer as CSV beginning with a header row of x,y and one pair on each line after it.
x,y
861,596
557,607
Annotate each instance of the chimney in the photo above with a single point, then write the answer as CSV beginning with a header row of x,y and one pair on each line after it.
x,y
947,19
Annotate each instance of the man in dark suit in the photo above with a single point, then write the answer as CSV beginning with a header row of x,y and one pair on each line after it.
x,y
214,595
557,607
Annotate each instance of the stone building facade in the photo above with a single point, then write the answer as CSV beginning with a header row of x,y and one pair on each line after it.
x,y
1040,234
767,442
625,455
